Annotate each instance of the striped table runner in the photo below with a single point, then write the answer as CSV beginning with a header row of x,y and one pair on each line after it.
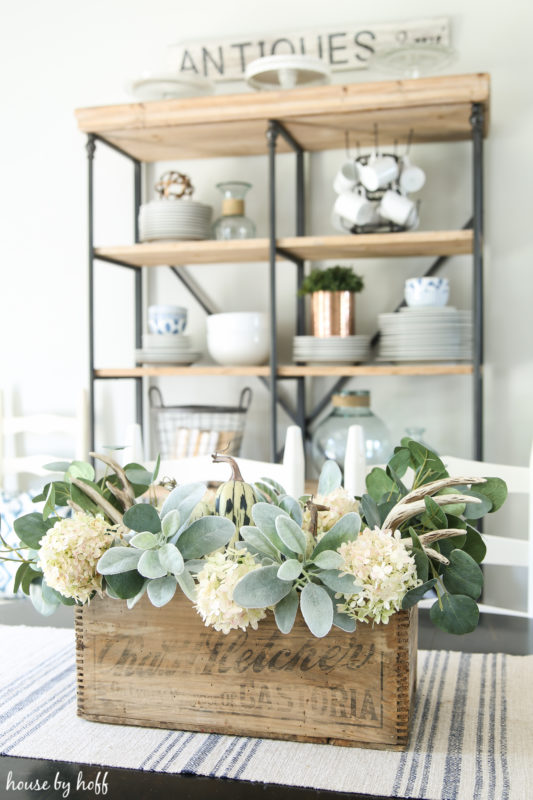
x,y
471,736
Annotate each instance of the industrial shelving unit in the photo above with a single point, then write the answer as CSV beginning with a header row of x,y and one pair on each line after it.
x,y
451,108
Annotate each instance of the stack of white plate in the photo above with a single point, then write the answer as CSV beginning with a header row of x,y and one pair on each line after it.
x,y
166,348
180,219
331,349
426,334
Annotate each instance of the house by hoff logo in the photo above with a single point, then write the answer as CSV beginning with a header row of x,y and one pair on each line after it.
x,y
60,786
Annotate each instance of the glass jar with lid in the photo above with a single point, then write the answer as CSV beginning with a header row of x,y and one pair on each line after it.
x,y
233,224
351,408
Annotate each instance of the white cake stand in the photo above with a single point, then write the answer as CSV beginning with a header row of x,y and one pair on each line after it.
x,y
286,72
165,86
413,60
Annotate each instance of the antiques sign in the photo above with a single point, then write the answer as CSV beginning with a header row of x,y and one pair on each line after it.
x,y
342,48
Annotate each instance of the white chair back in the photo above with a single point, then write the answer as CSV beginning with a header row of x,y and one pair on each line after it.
x,y
12,464
505,551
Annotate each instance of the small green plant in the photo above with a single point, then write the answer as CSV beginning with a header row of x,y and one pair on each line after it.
x,y
333,279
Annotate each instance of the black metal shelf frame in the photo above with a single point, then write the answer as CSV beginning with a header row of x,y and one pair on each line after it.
x,y
275,129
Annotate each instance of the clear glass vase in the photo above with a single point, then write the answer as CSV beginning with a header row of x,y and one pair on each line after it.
x,y
350,408
233,224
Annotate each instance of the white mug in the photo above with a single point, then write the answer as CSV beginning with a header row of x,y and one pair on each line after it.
x,y
346,178
379,172
397,208
412,178
354,207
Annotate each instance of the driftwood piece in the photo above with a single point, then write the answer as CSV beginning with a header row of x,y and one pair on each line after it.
x,y
112,512
401,513
128,496
429,489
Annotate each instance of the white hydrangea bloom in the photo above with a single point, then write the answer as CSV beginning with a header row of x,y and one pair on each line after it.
x,y
214,593
383,567
69,554
339,502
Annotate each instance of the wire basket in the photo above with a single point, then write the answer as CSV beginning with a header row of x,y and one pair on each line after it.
x,y
188,431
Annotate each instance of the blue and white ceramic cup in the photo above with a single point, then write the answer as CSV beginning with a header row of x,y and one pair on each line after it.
x,y
167,319
427,291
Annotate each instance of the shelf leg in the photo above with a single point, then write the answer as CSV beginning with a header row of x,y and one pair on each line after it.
x,y
300,274
477,122
138,293
272,137
91,147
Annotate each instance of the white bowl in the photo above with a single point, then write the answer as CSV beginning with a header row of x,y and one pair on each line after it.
x,y
238,339
424,292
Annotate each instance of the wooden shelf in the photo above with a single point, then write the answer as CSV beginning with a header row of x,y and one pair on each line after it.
x,y
289,370
437,109
314,248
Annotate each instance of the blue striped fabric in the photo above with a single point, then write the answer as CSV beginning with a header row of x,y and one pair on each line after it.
x,y
464,744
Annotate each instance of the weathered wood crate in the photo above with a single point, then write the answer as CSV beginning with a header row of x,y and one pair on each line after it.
x,y
163,668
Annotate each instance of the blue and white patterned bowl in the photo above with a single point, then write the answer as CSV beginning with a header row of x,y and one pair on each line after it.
x,y
167,319
425,292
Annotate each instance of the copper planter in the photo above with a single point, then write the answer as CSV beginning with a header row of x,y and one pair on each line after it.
x,y
332,314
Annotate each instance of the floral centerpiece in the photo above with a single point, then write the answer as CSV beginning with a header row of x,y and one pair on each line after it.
x,y
251,551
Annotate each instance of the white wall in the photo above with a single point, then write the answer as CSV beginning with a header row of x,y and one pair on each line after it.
x,y
64,54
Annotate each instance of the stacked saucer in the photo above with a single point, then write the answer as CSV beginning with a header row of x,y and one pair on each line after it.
x,y
166,348
331,349
432,333
174,219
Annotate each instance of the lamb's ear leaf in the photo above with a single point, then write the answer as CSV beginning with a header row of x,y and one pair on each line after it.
x,y
285,611
161,590
261,588
330,477
179,494
118,559
204,536
346,529
317,609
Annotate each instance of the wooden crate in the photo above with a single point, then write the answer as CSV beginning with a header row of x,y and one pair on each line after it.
x,y
163,668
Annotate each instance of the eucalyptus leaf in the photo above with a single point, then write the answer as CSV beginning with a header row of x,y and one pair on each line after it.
x,y
400,461
51,595
50,503
144,540
459,614
149,565
170,523
261,588
19,576
463,575
378,483
413,596
370,512
292,507
477,510
427,464
155,473
422,564
474,545
402,490
171,559
125,584
132,601
142,517
290,570
29,576
345,584
455,509
330,478
79,469
261,543
179,494
495,490
434,518
187,585
328,559
264,515
204,536
30,528
40,603
317,609
57,466
291,534
161,590
346,529
117,560
285,611
138,475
